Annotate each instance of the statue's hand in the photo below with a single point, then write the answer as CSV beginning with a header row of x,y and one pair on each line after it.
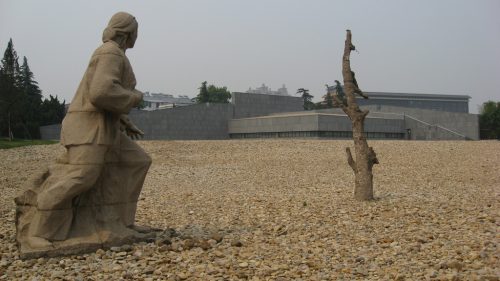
x,y
130,129
133,132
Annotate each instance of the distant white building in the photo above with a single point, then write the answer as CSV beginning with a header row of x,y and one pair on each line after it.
x,y
265,90
155,101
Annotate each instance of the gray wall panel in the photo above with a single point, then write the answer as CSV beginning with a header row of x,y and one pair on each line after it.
x,y
462,123
251,105
194,122
51,132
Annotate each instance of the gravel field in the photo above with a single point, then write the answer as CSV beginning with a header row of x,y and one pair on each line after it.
x,y
283,210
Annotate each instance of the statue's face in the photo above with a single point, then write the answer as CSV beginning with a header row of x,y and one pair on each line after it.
x,y
131,38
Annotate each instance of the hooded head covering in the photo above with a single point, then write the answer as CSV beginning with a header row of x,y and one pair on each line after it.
x,y
120,22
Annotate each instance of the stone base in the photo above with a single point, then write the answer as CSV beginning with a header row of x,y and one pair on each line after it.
x,y
82,245
98,218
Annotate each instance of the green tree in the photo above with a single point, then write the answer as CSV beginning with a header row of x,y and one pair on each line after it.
x,y
32,100
308,104
10,61
339,92
212,93
203,94
141,105
218,94
489,120
52,110
328,100
27,81
21,107
9,104
10,93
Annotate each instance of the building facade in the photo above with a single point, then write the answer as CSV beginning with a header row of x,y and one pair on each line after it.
x,y
448,103
155,101
265,90
273,116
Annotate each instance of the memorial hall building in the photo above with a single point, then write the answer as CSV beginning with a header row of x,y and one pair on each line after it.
x,y
402,116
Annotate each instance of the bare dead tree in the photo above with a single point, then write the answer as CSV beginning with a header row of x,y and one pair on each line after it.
x,y
365,155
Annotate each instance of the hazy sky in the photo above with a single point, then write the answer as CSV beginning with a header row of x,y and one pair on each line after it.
x,y
435,47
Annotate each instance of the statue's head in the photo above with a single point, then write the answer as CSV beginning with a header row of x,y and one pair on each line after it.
x,y
122,28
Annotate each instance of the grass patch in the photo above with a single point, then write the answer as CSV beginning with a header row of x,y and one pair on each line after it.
x,y
5,143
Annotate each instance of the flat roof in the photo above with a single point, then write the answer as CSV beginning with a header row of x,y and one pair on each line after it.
x,y
374,115
412,95
167,99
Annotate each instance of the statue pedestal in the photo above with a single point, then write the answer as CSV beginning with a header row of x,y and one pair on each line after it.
x,y
97,218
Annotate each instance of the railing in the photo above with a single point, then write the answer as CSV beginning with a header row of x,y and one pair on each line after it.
x,y
438,127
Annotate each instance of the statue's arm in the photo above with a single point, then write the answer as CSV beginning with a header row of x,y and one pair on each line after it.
x,y
130,128
106,90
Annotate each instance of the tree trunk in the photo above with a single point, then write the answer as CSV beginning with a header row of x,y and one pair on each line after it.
x,y
11,136
365,156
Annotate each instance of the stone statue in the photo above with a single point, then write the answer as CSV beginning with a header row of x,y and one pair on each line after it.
x,y
88,198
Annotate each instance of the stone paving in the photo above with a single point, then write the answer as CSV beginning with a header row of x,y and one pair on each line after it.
x,y
283,210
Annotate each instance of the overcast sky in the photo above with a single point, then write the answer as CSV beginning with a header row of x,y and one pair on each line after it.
x,y
425,46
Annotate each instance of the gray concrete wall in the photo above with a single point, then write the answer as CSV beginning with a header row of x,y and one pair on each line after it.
x,y
334,122
372,114
424,131
340,122
51,132
284,123
311,121
204,121
251,105
462,123
431,104
374,122
213,121
194,122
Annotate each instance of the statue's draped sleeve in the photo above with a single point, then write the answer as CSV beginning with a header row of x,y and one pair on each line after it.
x,y
106,90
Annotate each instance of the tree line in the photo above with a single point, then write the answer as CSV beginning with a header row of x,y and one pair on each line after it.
x,y
489,120
327,100
22,107
212,94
